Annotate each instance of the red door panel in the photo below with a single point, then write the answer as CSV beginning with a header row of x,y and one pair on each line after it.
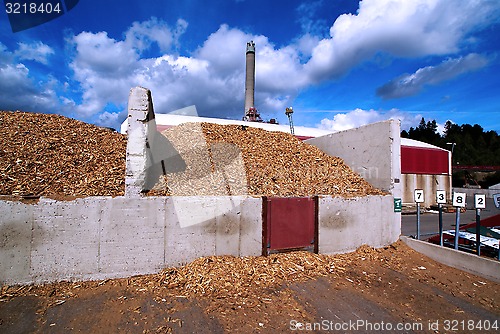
x,y
290,222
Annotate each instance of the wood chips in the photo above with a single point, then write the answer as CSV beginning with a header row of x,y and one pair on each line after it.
x,y
240,280
48,155
51,155
239,160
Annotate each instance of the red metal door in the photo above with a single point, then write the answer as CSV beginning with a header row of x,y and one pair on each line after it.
x,y
290,223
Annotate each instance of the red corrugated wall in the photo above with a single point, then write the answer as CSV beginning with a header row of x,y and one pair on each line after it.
x,y
420,160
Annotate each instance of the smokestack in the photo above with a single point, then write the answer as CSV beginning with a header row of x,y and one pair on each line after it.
x,y
250,77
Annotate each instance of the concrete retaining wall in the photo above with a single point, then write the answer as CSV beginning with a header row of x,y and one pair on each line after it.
x,y
373,151
471,191
103,237
486,268
346,224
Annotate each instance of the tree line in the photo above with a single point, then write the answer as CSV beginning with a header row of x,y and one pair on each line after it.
x,y
473,145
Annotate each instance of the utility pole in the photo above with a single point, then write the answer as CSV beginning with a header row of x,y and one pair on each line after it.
x,y
289,112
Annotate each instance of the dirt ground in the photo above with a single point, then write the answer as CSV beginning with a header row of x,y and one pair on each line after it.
x,y
389,290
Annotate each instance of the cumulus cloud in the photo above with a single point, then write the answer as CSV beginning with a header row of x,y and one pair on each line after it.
x,y
411,84
19,90
36,51
104,68
359,117
397,27
212,78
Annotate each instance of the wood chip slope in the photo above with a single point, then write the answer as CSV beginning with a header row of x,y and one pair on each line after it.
x,y
270,163
45,154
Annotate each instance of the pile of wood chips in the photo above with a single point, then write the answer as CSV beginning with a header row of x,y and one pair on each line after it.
x,y
237,280
42,154
239,160
52,155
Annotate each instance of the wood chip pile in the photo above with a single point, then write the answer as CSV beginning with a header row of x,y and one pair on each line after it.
x,y
238,160
47,155
237,280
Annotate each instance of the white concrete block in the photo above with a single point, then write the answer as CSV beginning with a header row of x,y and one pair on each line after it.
x,y
132,236
346,224
141,125
15,242
65,241
251,227
186,240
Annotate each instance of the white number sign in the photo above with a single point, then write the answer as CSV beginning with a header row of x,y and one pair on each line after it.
x,y
459,200
441,197
479,201
419,195
496,200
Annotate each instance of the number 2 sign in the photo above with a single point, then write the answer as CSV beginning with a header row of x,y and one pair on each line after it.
x,y
459,200
479,201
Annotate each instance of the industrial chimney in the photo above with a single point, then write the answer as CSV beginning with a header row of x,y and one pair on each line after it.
x,y
251,113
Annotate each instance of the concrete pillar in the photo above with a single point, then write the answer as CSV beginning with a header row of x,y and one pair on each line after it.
x,y
141,125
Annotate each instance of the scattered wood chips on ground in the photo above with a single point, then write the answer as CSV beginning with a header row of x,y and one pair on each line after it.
x,y
230,278
45,154
239,160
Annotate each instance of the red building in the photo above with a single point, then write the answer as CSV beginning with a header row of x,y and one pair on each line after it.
x,y
424,166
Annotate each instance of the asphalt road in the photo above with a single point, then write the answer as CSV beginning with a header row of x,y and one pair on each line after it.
x,y
429,222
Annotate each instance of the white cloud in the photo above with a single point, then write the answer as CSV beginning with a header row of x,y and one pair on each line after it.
x,y
110,119
142,34
36,51
398,27
359,117
411,84
212,76
19,90
212,79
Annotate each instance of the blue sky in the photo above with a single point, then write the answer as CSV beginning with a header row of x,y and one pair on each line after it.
x,y
340,63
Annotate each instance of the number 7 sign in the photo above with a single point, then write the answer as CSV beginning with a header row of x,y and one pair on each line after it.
x,y
419,195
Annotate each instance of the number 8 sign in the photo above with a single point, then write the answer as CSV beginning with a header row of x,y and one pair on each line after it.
x,y
459,200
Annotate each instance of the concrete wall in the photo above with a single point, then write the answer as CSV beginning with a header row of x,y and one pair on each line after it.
x,y
103,237
429,183
480,266
346,224
471,191
373,151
